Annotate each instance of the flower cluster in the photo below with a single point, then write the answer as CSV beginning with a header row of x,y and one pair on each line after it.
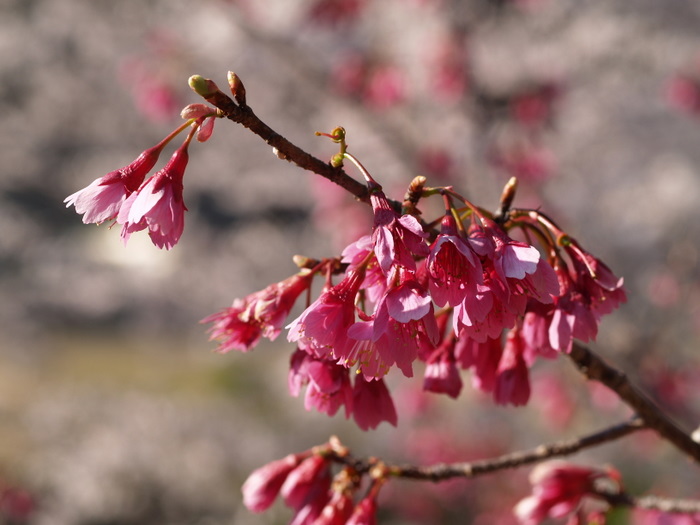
x,y
466,296
307,485
155,204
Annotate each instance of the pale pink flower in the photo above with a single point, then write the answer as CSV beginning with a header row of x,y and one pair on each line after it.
x,y
158,204
372,404
261,314
263,485
385,87
558,489
103,198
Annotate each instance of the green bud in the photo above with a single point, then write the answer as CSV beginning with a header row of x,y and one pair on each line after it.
x,y
203,86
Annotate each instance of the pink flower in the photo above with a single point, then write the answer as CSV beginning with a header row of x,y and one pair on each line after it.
x,y
337,511
372,404
596,281
103,198
441,373
453,267
484,357
157,204
397,239
322,327
308,484
260,314
355,254
403,323
558,490
328,384
512,378
365,512
263,485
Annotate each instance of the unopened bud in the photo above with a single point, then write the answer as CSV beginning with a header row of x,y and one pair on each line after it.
x,y
237,88
204,87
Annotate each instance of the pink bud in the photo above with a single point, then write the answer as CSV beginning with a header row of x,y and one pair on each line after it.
x,y
263,485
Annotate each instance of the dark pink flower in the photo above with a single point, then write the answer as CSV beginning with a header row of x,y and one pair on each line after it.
x,y
372,404
595,281
512,385
104,197
322,327
263,484
483,357
337,511
558,490
441,372
158,204
261,314
307,484
397,238
365,512
453,268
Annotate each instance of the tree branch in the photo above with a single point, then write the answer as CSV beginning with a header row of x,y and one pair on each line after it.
x,y
245,116
593,367
443,471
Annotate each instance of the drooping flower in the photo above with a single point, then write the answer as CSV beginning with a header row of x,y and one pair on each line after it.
x,y
356,254
441,372
403,323
558,489
596,281
365,512
453,267
372,404
322,327
308,484
328,384
104,197
397,238
338,509
512,384
482,357
158,204
263,485
261,314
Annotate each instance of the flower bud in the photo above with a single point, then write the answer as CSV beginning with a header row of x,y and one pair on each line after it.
x,y
237,88
204,87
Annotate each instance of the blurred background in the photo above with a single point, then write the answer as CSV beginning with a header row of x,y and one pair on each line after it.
x,y
114,409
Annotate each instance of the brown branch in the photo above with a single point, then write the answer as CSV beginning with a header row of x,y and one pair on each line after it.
x,y
593,367
674,506
245,116
443,471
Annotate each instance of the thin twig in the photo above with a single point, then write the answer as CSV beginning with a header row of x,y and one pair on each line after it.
x,y
444,471
245,116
